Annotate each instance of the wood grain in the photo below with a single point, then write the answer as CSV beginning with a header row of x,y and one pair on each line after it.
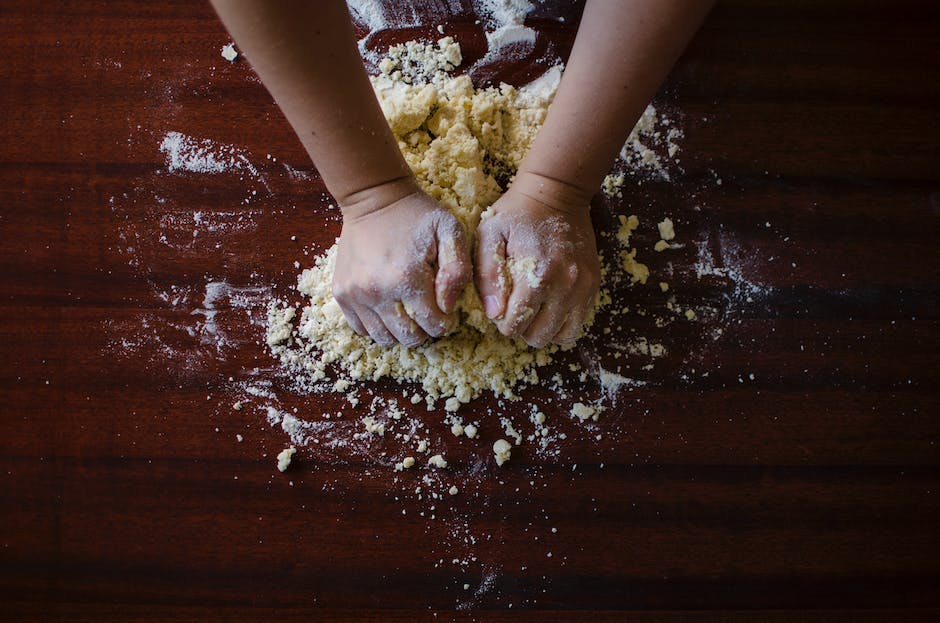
x,y
807,491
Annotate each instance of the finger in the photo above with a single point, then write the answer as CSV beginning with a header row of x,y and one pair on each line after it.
x,y
521,309
352,318
422,307
546,324
406,331
571,328
453,264
376,328
491,277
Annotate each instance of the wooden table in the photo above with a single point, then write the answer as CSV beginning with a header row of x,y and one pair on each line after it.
x,y
778,464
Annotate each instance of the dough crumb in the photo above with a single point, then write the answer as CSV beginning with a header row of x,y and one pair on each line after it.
x,y
373,427
229,53
613,185
437,461
666,229
284,458
586,412
502,450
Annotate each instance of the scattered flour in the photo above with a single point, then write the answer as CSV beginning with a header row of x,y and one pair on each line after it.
x,y
185,153
502,20
505,27
652,146
459,140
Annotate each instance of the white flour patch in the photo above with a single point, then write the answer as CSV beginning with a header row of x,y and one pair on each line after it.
x,y
188,154
191,328
731,263
185,153
502,20
506,34
185,231
611,382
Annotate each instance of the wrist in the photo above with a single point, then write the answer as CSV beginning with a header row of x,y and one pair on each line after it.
x,y
370,199
553,192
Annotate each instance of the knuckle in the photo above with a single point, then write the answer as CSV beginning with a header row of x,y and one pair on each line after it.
x,y
573,273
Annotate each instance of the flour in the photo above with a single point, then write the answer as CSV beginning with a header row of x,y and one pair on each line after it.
x,y
611,382
651,147
185,153
505,28
502,20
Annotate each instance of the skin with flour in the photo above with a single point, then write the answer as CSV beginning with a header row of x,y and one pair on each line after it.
x,y
402,259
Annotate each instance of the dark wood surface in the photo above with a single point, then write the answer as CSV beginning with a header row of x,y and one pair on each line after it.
x,y
806,492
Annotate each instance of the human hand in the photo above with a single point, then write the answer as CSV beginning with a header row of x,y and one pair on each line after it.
x,y
399,270
537,267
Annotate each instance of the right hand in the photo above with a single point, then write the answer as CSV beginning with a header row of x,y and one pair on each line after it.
x,y
400,269
551,233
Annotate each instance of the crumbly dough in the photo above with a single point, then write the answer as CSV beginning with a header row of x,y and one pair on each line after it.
x,y
229,52
502,450
667,230
458,140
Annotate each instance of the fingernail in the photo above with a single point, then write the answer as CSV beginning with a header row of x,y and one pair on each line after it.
x,y
491,305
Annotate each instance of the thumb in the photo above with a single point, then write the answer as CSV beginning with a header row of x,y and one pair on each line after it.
x,y
453,264
491,277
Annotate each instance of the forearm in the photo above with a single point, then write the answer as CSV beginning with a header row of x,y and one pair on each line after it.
x,y
305,53
622,53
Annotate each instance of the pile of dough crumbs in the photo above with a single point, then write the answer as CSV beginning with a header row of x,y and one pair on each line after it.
x,y
459,141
